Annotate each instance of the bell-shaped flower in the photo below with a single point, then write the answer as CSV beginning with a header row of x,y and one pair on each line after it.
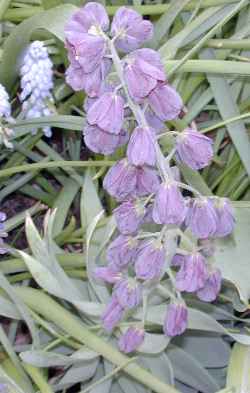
x,y
194,149
130,29
108,274
128,293
147,180
212,286
103,142
192,274
121,180
129,216
131,339
153,121
107,112
201,218
169,205
143,69
150,260
176,319
165,102
122,251
112,315
225,217
141,147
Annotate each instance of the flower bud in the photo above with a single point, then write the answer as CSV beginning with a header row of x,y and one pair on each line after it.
x,y
150,260
121,180
211,288
128,293
103,142
108,274
122,251
192,274
225,217
107,112
194,149
112,315
201,218
130,29
131,339
165,102
129,216
141,147
144,68
169,204
176,320
147,181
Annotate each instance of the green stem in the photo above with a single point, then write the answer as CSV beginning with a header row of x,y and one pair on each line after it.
x,y
4,5
228,44
209,66
51,310
54,164
37,377
224,123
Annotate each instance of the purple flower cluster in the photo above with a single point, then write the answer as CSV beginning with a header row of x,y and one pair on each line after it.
x,y
130,105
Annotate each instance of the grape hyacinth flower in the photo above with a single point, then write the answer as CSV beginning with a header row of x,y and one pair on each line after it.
x,y
3,234
176,319
36,83
131,339
5,116
194,149
131,104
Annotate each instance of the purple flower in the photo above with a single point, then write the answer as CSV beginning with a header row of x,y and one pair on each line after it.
x,y
103,142
128,293
121,180
225,217
165,102
147,181
88,19
201,218
211,288
91,82
122,251
154,121
192,274
175,322
112,315
150,260
130,29
108,274
86,53
141,147
107,112
194,149
129,216
169,204
131,339
142,72
178,260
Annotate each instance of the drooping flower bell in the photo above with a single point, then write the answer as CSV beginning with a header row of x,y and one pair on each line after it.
x,y
131,339
141,147
128,293
225,217
169,205
112,315
103,142
165,102
129,216
142,71
130,29
107,112
193,273
147,180
150,260
121,180
201,218
122,251
176,319
212,286
108,274
194,149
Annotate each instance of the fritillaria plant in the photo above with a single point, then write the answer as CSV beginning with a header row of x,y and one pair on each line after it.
x,y
129,100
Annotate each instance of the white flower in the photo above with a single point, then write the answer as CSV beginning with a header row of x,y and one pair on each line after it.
x,y
5,109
